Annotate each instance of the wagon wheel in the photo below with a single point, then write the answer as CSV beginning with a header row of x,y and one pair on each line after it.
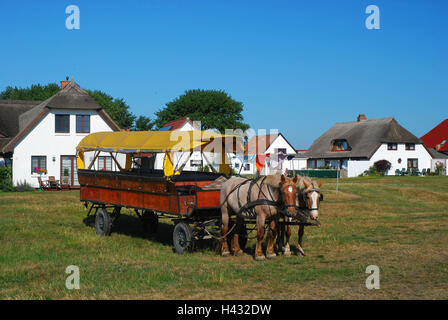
x,y
182,238
103,223
150,221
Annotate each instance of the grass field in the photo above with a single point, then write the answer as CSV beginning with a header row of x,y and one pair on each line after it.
x,y
399,224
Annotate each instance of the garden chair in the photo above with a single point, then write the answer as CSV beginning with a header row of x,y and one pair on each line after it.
x,y
403,171
424,172
54,183
397,172
44,185
417,172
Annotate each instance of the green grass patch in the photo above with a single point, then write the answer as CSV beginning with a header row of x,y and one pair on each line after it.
x,y
396,223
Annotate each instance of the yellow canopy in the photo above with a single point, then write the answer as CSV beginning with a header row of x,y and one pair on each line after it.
x,y
155,141
160,141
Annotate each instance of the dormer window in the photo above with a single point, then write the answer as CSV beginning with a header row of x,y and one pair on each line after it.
x,y
410,146
340,145
391,146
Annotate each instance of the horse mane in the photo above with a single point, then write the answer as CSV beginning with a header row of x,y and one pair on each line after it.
x,y
301,185
273,180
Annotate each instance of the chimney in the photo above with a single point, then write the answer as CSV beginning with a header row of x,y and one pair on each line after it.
x,y
65,83
362,117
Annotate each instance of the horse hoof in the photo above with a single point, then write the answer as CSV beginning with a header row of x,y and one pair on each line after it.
x,y
238,253
300,252
260,258
287,253
225,253
271,255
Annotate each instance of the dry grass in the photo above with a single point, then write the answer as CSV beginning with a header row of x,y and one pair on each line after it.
x,y
397,223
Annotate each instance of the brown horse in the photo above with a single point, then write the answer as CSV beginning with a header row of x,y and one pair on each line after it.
x,y
271,194
309,197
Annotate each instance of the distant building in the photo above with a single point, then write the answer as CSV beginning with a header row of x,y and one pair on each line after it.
x,y
268,148
356,146
197,159
437,142
44,134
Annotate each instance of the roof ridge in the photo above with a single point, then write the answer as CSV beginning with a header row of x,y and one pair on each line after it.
x,y
368,120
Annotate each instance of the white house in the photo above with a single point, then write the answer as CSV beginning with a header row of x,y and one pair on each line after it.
x,y
191,162
265,149
356,146
44,134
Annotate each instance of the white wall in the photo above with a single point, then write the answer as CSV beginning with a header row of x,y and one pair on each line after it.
x,y
356,167
420,153
43,141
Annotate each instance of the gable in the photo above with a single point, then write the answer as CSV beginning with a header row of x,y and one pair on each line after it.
x,y
281,143
72,97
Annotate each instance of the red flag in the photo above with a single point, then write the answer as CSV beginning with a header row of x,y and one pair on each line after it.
x,y
261,159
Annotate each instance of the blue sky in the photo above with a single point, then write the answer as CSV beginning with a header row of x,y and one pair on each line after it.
x,y
298,66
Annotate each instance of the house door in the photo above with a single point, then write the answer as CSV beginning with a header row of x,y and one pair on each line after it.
x,y
68,171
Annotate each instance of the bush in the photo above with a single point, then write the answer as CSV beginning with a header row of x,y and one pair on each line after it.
x,y
23,186
440,169
371,172
382,166
6,179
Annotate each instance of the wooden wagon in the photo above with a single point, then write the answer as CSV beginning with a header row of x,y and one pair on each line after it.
x,y
190,198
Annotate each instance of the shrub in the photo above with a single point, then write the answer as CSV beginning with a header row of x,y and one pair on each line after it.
x,y
6,179
382,166
372,171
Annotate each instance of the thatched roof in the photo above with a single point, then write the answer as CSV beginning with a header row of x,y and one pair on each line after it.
x,y
18,117
363,137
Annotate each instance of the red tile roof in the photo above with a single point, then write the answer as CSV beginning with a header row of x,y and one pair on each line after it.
x,y
436,136
177,124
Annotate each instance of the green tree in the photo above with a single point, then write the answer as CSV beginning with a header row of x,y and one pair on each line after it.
x,y
117,109
143,124
215,109
35,92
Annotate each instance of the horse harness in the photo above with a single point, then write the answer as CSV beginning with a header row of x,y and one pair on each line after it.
x,y
249,207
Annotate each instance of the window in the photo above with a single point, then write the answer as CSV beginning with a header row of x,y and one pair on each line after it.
x,y
410,146
281,150
247,167
237,165
195,163
105,163
412,163
82,123
38,162
62,123
391,146
340,145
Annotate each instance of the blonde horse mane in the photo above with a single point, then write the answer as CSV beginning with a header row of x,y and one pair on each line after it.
x,y
273,180
311,184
